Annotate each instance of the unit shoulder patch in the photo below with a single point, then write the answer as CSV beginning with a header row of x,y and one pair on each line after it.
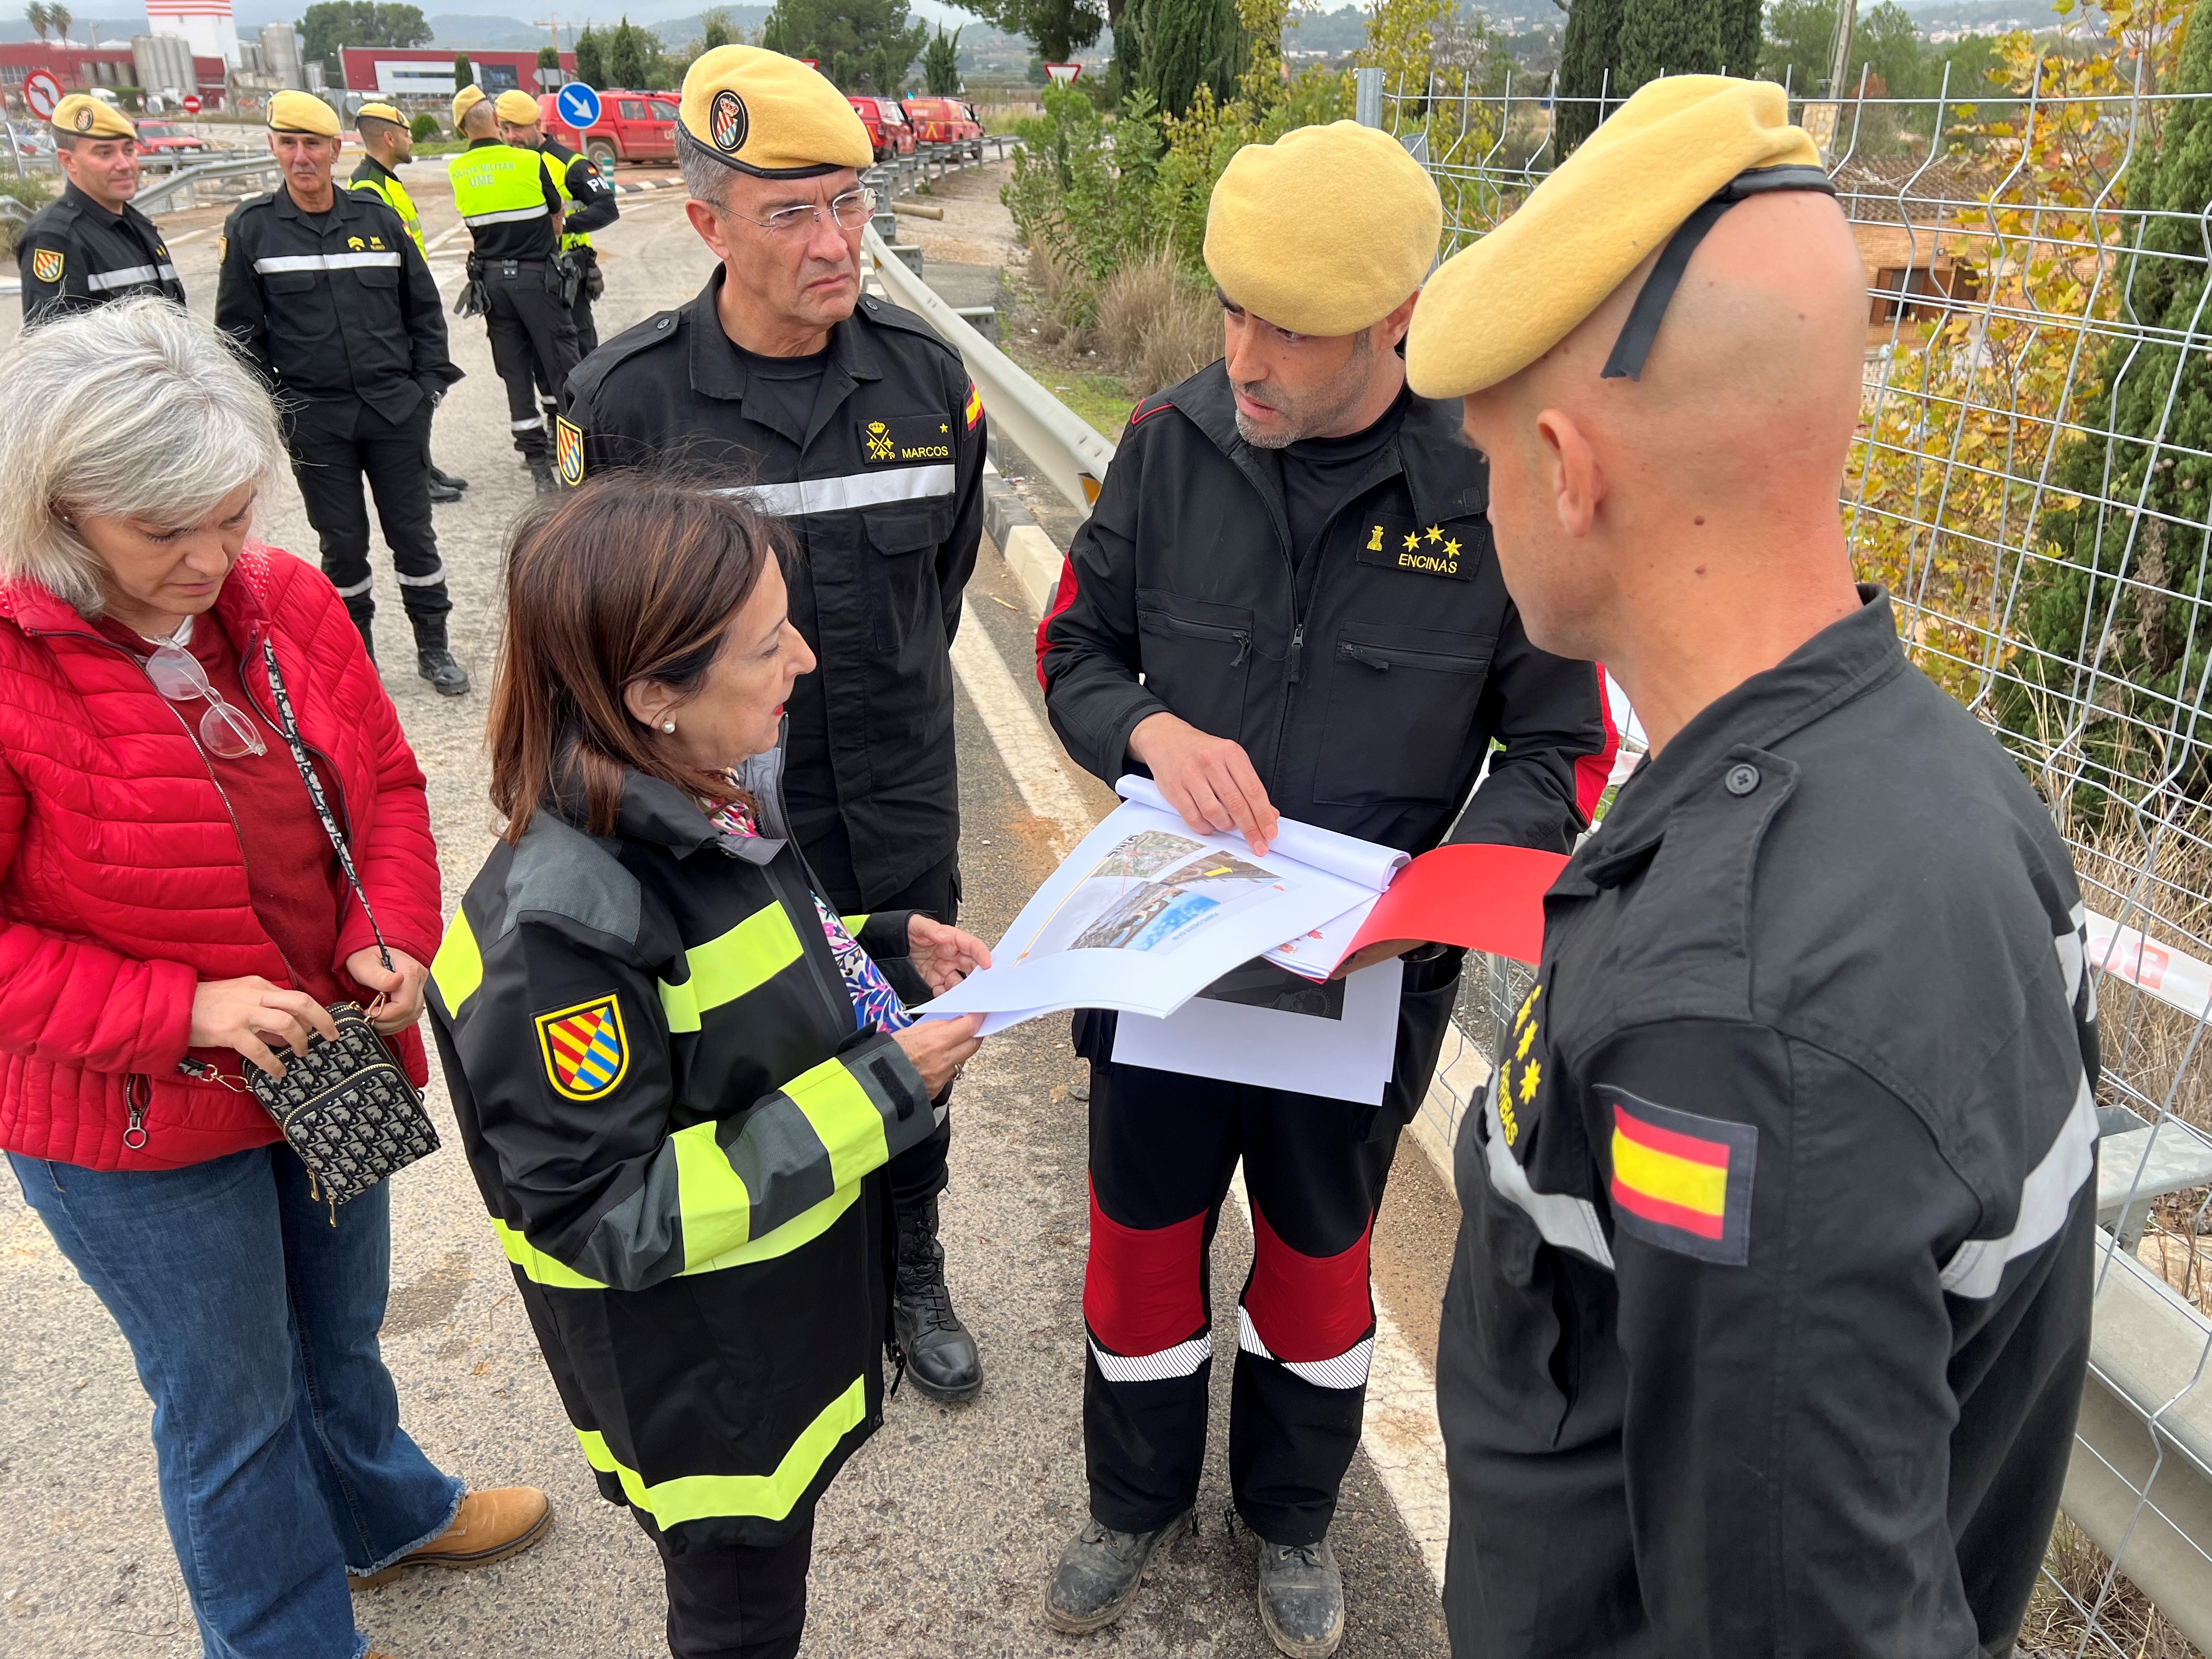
x,y
568,450
1681,1182
905,439
973,410
584,1046
1433,550
46,264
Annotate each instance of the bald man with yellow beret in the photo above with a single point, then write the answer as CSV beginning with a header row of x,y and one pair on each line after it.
x,y
1768,1321
89,246
1286,601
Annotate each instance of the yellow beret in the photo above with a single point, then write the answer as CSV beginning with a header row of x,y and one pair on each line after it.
x,y
1675,146
467,100
1326,231
768,115
303,111
516,107
379,113
82,116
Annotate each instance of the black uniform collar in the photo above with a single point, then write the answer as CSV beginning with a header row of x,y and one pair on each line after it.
x,y
660,813
374,169
717,371
1841,662
1429,450
344,203
85,204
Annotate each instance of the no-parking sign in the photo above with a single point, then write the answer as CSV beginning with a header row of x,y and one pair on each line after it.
x,y
579,105
42,92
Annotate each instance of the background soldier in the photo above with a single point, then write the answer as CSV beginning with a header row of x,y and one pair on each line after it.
x,y
90,246
388,142
326,293
1770,1313
588,204
859,425
1286,598
509,200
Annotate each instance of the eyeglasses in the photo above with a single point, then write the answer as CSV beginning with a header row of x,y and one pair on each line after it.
x,y
851,211
178,675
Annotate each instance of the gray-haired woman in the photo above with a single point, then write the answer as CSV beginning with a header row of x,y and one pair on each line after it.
x,y
172,910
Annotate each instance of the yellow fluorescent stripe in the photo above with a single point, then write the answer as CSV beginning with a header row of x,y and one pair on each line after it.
x,y
458,966
773,1496
717,1211
723,969
680,1005
536,1266
853,924
802,1229
1694,1186
844,1117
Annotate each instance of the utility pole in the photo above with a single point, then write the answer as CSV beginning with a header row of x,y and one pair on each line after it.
x,y
1840,59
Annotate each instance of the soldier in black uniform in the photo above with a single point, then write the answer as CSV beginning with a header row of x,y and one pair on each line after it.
x,y
592,204
853,422
90,246
1768,1321
325,291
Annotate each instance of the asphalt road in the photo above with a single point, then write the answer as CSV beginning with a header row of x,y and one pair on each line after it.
x,y
939,1538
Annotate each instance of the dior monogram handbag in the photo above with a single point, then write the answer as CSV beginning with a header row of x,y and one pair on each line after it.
x,y
346,1107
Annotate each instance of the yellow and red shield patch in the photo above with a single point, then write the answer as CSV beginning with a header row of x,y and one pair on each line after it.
x,y
568,450
586,1051
46,264
975,409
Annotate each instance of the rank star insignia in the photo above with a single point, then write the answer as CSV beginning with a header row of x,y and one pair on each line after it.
x,y
1451,549
1436,532
46,264
1412,540
585,1048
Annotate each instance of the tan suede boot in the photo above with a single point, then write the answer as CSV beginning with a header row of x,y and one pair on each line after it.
x,y
490,1527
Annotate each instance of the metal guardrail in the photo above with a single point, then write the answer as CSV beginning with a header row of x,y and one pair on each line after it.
x,y
1058,442
180,190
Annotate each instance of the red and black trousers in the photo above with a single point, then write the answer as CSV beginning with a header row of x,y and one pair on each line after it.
x,y
1164,1148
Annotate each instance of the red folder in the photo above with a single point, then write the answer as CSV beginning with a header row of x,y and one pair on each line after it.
x,y
1487,898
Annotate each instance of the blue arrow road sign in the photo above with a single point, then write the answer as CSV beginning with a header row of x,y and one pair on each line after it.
x,y
579,105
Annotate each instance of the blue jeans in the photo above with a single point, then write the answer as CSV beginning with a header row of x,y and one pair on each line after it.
x,y
254,1322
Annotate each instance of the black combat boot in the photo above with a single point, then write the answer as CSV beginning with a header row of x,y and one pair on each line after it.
x,y
1100,1572
439,476
1301,1598
940,1356
442,493
542,473
435,662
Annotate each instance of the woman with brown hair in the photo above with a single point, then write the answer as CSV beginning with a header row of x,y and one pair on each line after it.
x,y
677,1071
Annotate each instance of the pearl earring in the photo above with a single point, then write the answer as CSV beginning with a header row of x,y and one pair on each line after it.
x,y
668,725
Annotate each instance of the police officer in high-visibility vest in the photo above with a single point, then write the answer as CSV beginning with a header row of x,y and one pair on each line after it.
x,y
388,144
853,423
1769,1318
514,209
589,200
90,246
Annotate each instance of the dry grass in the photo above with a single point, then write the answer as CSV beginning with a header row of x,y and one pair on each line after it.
x,y
2080,1584
1160,325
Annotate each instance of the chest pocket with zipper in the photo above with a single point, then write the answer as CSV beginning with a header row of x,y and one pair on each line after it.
x,y
1401,703
1197,658
901,573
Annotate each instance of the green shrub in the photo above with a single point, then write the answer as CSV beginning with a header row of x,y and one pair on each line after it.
x,y
424,127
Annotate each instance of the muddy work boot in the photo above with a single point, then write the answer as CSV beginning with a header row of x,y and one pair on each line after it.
x,y
940,1356
1301,1598
1100,1572
541,473
435,662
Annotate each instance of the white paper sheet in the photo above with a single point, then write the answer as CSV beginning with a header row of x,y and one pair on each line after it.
x,y
1335,1040
1365,863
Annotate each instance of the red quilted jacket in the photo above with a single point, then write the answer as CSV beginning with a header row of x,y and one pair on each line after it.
x,y
122,881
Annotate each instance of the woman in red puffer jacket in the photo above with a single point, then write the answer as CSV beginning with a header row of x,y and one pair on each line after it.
x,y
172,911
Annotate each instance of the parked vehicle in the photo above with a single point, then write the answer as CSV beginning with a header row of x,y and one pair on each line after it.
x,y
633,126
942,121
167,138
888,129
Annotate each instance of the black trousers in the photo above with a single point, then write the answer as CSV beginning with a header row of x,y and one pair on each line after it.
x,y
732,1602
918,1174
334,448
1163,1146
587,342
534,339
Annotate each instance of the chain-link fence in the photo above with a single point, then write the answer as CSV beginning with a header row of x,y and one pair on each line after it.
x,y
2032,480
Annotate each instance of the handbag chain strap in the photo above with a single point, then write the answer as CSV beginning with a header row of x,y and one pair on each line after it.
x,y
291,728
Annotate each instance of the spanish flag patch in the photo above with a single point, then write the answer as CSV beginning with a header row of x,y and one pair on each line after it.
x,y
1680,1181
974,411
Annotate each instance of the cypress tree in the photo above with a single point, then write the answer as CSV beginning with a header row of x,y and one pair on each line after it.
x,y
464,74
1670,36
1586,53
1193,43
2138,631
1738,35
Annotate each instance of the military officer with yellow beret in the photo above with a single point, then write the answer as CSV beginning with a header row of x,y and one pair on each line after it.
x,y
327,294
1767,1324
90,246
588,204
1286,601
850,420
513,210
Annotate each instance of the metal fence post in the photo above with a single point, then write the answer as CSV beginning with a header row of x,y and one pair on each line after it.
x,y
1367,102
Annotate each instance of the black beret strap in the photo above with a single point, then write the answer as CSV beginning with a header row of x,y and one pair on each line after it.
x,y
1642,328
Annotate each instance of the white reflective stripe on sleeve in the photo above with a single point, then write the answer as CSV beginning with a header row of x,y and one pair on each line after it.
x,y
535,423
1182,1360
1346,1370
1568,1222
793,501
1977,1268
278,263
2082,929
430,581
510,217
104,281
